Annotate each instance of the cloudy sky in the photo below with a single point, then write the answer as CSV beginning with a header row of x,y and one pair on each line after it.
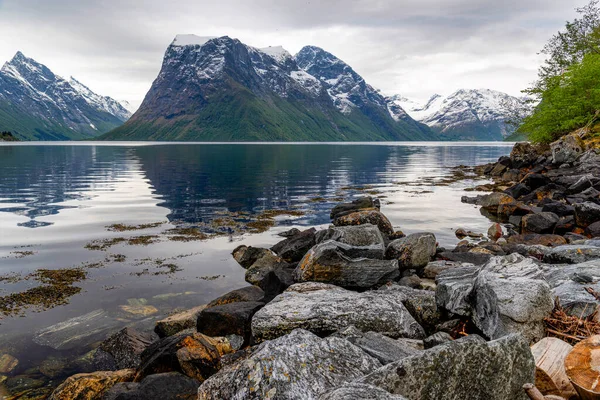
x,y
412,47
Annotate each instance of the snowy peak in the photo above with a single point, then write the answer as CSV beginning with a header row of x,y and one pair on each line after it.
x,y
103,103
191,40
278,53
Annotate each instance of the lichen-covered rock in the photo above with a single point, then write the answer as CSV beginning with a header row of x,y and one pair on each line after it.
x,y
299,365
436,339
324,309
228,319
248,255
372,217
383,348
328,262
511,296
248,293
586,213
294,248
359,391
414,251
126,346
421,304
165,386
257,272
360,204
572,254
491,202
363,240
495,370
178,322
90,386
567,149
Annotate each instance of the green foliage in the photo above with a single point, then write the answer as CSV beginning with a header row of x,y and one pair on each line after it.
x,y
570,101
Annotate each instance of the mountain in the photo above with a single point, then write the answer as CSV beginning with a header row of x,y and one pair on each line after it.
x,y
220,89
36,104
466,114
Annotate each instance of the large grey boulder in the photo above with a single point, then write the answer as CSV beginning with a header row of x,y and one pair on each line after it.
x,y
567,149
413,251
454,287
359,391
572,254
363,240
324,309
511,296
569,284
329,262
494,370
421,304
383,348
300,365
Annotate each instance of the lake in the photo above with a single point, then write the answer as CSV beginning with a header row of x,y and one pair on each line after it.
x,y
78,207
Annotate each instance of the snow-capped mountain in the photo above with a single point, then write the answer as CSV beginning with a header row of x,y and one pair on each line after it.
x,y
222,89
465,114
36,104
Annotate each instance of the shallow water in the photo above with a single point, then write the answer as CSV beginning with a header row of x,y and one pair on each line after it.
x,y
56,198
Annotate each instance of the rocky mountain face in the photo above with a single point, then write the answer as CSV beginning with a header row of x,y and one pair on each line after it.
x,y
36,104
466,114
220,89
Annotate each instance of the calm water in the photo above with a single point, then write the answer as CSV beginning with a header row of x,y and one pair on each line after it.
x,y
54,199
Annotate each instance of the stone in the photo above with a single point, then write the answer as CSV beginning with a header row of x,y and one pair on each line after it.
x,y
228,319
359,391
294,248
567,149
90,386
276,280
586,213
139,310
248,293
593,229
582,184
434,268
495,232
78,332
8,363
533,239
574,238
543,222
364,240
495,370
248,255
464,258
324,309
492,201
299,365
518,190
558,208
410,281
572,254
437,339
454,288
421,304
126,346
289,233
366,217
164,386
360,204
383,348
510,295
257,272
328,262
535,181
523,154
569,284
460,233
414,251
178,322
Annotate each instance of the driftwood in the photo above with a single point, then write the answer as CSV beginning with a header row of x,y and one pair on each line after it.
x,y
535,394
550,375
582,366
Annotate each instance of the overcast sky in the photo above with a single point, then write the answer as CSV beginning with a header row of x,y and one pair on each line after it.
x,y
411,47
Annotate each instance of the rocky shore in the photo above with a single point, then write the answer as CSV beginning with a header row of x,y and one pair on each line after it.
x,y
362,311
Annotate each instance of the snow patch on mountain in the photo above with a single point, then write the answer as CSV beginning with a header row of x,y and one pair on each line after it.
x,y
280,54
103,103
191,40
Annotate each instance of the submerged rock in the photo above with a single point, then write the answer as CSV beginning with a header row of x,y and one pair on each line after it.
x,y
8,363
414,251
324,309
164,386
299,365
461,370
178,322
126,346
90,386
328,262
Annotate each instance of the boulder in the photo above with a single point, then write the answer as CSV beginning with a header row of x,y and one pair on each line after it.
x,y
535,181
464,258
372,217
248,293
289,233
262,267
543,222
533,239
228,319
510,295
434,268
90,386
246,256
294,248
495,232
567,149
360,204
359,391
178,322
165,386
414,251
421,304
569,284
193,354
491,202
364,240
558,208
324,309
436,339
518,190
593,229
523,154
299,365
383,348
126,346
328,262
572,254
495,370
586,213
454,288
583,183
